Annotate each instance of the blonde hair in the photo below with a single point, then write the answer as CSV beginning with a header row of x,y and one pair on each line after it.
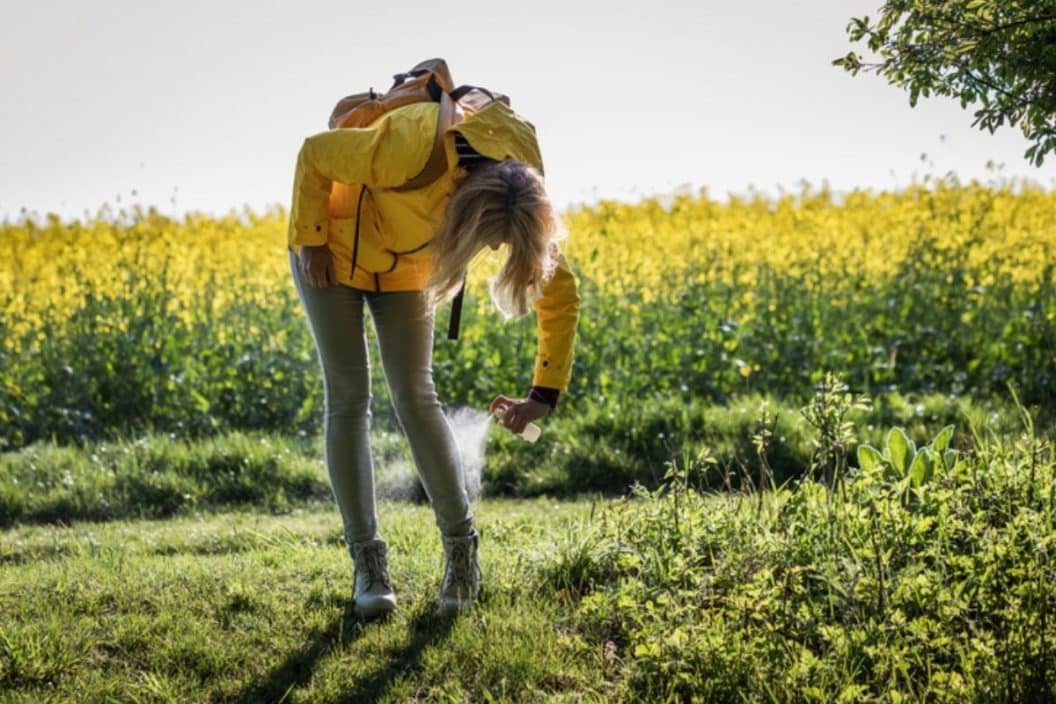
x,y
501,202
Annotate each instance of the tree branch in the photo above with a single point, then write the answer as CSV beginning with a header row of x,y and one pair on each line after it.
x,y
1010,25
991,86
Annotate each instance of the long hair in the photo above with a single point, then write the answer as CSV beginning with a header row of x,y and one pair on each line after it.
x,y
498,203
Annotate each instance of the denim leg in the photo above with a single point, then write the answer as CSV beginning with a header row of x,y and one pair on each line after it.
x,y
336,318
404,323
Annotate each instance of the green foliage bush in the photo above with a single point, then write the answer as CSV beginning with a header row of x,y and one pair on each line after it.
x,y
130,364
815,594
607,448
612,445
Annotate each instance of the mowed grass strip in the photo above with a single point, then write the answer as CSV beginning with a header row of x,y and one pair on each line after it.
x,y
246,607
589,446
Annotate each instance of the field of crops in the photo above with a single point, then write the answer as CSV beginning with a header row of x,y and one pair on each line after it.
x,y
137,322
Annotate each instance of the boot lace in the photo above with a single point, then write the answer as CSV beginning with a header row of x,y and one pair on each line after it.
x,y
372,562
460,567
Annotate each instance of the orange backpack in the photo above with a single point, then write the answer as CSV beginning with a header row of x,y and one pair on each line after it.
x,y
429,81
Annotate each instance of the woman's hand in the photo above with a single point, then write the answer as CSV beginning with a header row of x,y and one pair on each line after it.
x,y
317,266
518,413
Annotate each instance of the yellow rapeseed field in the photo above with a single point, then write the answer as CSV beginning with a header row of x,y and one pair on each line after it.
x,y
652,246
647,248
135,320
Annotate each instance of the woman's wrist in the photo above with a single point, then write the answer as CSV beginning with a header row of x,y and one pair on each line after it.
x,y
544,394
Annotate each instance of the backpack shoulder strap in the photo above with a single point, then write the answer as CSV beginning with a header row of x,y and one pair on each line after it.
x,y
456,312
436,164
473,98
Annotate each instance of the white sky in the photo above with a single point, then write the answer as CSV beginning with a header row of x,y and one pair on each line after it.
x,y
200,105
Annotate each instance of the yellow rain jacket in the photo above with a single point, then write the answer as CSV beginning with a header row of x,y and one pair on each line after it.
x,y
396,227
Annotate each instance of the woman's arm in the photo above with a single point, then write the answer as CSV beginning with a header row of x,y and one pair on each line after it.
x,y
557,313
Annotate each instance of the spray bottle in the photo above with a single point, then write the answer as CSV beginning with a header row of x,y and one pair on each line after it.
x,y
531,431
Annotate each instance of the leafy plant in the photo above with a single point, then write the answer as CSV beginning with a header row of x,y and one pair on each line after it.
x,y
828,413
816,594
903,463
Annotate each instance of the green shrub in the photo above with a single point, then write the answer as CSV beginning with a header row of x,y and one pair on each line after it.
x,y
610,446
607,448
813,594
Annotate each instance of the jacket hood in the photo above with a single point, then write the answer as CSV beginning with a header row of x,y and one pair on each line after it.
x,y
499,133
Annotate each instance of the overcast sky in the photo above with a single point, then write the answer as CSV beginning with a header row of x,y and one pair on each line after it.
x,y
202,106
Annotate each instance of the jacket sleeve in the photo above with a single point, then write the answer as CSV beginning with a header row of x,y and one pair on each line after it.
x,y
557,312
382,156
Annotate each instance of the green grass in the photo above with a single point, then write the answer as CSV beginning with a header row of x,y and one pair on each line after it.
x,y
244,607
886,588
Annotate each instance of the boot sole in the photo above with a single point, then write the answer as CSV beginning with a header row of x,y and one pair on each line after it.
x,y
380,610
452,608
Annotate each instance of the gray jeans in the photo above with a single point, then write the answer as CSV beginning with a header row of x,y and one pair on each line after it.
x,y
403,321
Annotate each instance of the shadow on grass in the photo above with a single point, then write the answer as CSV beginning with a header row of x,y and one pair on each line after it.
x,y
424,630
301,663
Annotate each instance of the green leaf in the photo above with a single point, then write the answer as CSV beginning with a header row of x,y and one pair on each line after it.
x,y
949,458
899,450
902,487
918,468
942,440
869,457
930,459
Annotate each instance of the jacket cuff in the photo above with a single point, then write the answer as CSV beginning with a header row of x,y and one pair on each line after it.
x,y
314,235
544,394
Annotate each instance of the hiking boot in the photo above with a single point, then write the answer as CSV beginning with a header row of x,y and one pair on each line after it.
x,y
374,597
461,585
